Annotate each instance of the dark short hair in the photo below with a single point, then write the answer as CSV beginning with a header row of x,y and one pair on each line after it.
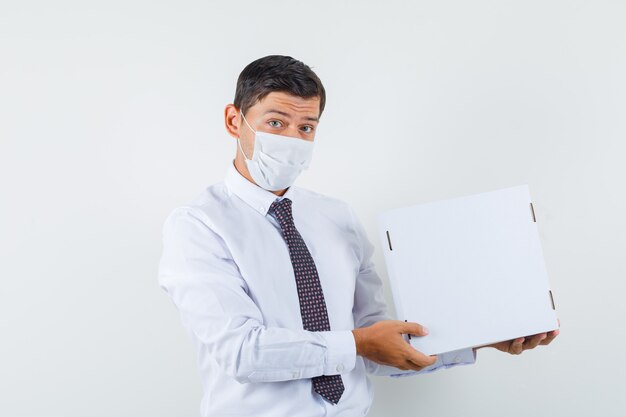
x,y
277,73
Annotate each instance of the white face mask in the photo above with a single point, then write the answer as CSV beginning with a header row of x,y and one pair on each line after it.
x,y
277,160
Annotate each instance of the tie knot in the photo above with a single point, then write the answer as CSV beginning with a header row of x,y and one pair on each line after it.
x,y
281,210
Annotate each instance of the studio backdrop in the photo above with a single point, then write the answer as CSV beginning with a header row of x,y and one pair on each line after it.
x,y
111,115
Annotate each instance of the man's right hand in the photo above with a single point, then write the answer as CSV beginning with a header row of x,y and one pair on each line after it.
x,y
383,343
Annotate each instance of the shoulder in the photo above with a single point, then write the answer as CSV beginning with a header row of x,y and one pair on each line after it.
x,y
194,228
201,207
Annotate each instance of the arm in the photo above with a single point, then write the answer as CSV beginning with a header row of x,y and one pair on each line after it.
x,y
199,275
370,308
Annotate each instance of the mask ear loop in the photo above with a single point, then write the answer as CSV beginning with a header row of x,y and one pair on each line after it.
x,y
244,155
244,119
239,141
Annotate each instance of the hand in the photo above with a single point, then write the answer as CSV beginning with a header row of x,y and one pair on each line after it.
x,y
383,343
517,346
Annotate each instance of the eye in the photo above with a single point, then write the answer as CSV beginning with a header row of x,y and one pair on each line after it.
x,y
307,129
275,123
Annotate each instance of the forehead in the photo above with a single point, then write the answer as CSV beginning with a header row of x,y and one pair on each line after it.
x,y
288,103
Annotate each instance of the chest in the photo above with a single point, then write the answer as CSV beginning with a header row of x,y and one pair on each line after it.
x,y
262,256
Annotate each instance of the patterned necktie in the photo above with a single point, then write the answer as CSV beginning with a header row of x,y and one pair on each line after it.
x,y
312,304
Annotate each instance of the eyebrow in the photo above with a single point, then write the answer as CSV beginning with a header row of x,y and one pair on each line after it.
x,y
313,119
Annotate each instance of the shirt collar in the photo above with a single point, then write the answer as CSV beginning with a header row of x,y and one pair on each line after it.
x,y
258,198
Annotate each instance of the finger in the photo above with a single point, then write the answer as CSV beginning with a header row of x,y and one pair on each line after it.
x,y
418,358
419,366
504,346
415,329
422,360
412,366
551,336
532,342
405,366
516,346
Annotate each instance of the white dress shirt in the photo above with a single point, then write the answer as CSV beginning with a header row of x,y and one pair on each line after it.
x,y
227,269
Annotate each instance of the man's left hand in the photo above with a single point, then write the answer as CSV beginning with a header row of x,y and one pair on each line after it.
x,y
517,346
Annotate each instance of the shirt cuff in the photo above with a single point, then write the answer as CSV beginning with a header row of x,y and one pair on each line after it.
x,y
340,351
444,360
459,357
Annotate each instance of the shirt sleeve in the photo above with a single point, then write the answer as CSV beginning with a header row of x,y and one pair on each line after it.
x,y
198,273
370,307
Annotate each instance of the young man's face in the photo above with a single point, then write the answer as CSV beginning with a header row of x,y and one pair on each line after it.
x,y
278,113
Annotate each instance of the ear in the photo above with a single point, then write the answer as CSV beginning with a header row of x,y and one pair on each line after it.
x,y
232,120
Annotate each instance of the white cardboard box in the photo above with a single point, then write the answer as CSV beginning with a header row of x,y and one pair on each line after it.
x,y
470,269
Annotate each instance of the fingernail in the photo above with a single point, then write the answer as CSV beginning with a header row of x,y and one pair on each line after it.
x,y
425,330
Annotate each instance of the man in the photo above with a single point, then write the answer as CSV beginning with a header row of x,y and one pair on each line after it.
x,y
275,283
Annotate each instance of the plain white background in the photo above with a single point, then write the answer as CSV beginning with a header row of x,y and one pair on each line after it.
x,y
111,114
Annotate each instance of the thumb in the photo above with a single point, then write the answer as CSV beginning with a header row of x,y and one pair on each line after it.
x,y
415,329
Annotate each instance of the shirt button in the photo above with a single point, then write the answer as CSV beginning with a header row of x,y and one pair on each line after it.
x,y
260,208
340,367
294,375
457,359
